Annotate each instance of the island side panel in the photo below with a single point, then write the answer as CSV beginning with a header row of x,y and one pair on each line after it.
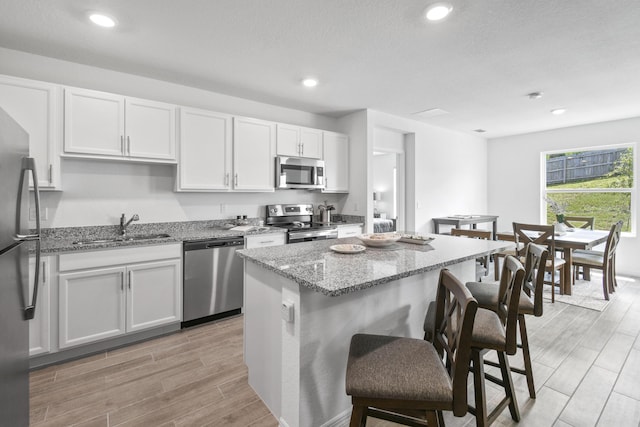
x,y
262,333
323,332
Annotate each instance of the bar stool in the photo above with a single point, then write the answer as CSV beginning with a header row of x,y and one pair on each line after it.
x,y
492,330
403,379
530,303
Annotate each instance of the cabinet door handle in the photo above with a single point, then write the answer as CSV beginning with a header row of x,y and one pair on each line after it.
x,y
122,281
302,149
128,146
50,173
122,145
44,274
266,241
235,180
129,279
226,179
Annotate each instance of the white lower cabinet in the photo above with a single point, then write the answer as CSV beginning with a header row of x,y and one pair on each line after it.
x,y
103,294
39,330
349,231
91,305
264,240
153,294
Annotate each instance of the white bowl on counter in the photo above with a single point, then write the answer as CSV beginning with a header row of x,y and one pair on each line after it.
x,y
379,240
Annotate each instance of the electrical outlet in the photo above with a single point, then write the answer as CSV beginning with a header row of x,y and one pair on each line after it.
x,y
44,214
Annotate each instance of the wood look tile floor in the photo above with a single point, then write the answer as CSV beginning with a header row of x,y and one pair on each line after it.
x,y
586,365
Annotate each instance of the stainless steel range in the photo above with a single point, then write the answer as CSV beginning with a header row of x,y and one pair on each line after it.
x,y
298,219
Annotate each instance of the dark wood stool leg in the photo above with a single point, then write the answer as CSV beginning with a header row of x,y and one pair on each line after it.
x,y
479,389
508,386
358,416
526,356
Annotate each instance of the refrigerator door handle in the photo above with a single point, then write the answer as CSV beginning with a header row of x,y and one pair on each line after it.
x,y
29,164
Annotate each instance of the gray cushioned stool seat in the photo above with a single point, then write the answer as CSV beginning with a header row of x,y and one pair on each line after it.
x,y
486,293
389,367
488,331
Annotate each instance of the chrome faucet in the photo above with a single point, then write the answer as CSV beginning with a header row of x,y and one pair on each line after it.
x,y
124,223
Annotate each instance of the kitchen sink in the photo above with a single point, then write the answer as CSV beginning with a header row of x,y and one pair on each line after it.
x,y
134,237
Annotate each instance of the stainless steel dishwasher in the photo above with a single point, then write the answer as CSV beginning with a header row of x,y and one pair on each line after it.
x,y
213,279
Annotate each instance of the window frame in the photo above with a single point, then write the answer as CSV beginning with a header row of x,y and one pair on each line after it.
x,y
632,190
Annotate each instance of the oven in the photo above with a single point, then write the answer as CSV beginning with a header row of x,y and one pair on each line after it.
x,y
298,219
298,172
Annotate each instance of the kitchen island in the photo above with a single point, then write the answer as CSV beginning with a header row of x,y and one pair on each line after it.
x,y
303,302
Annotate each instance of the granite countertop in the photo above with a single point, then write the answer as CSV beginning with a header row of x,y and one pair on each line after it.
x,y
60,240
315,266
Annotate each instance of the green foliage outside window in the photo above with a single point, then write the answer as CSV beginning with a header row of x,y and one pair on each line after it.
x,y
605,206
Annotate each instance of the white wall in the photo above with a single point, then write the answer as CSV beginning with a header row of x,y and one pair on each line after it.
x,y
97,192
446,170
515,168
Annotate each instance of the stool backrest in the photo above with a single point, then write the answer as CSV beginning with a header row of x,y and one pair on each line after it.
x,y
535,260
476,234
509,300
455,313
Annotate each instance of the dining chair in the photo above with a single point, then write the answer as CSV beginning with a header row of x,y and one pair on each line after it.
x,y
482,264
604,261
404,379
514,251
494,328
488,296
574,221
543,235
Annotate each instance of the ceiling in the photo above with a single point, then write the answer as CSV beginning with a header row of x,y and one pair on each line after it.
x,y
477,65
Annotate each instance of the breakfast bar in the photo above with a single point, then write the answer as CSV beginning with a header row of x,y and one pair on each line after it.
x,y
303,303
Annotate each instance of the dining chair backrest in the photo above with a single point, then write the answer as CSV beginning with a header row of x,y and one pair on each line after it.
x,y
476,234
574,221
537,234
535,259
455,313
511,280
612,241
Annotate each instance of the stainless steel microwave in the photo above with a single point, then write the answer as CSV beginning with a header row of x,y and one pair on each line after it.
x,y
299,172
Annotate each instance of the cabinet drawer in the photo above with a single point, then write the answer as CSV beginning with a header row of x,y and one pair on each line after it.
x,y
349,231
118,256
262,241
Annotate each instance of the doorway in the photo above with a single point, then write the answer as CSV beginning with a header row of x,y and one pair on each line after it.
x,y
388,181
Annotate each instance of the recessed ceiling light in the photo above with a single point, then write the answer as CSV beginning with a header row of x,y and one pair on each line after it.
x,y
438,11
310,82
558,111
102,20
479,130
535,95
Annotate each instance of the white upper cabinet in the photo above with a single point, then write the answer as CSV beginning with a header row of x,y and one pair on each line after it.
x,y
299,141
205,151
253,154
37,107
336,162
105,125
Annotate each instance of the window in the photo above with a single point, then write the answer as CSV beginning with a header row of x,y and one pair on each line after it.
x,y
593,183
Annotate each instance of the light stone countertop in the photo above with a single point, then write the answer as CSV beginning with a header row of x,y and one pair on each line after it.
x,y
315,266
61,240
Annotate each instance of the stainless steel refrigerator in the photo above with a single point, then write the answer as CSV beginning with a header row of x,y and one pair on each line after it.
x,y
17,295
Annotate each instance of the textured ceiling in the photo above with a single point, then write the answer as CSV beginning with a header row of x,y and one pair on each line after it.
x,y
477,65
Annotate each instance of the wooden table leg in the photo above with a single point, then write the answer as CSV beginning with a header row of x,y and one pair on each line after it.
x,y
568,270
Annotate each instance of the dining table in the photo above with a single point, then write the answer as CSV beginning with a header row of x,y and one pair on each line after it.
x,y
573,238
